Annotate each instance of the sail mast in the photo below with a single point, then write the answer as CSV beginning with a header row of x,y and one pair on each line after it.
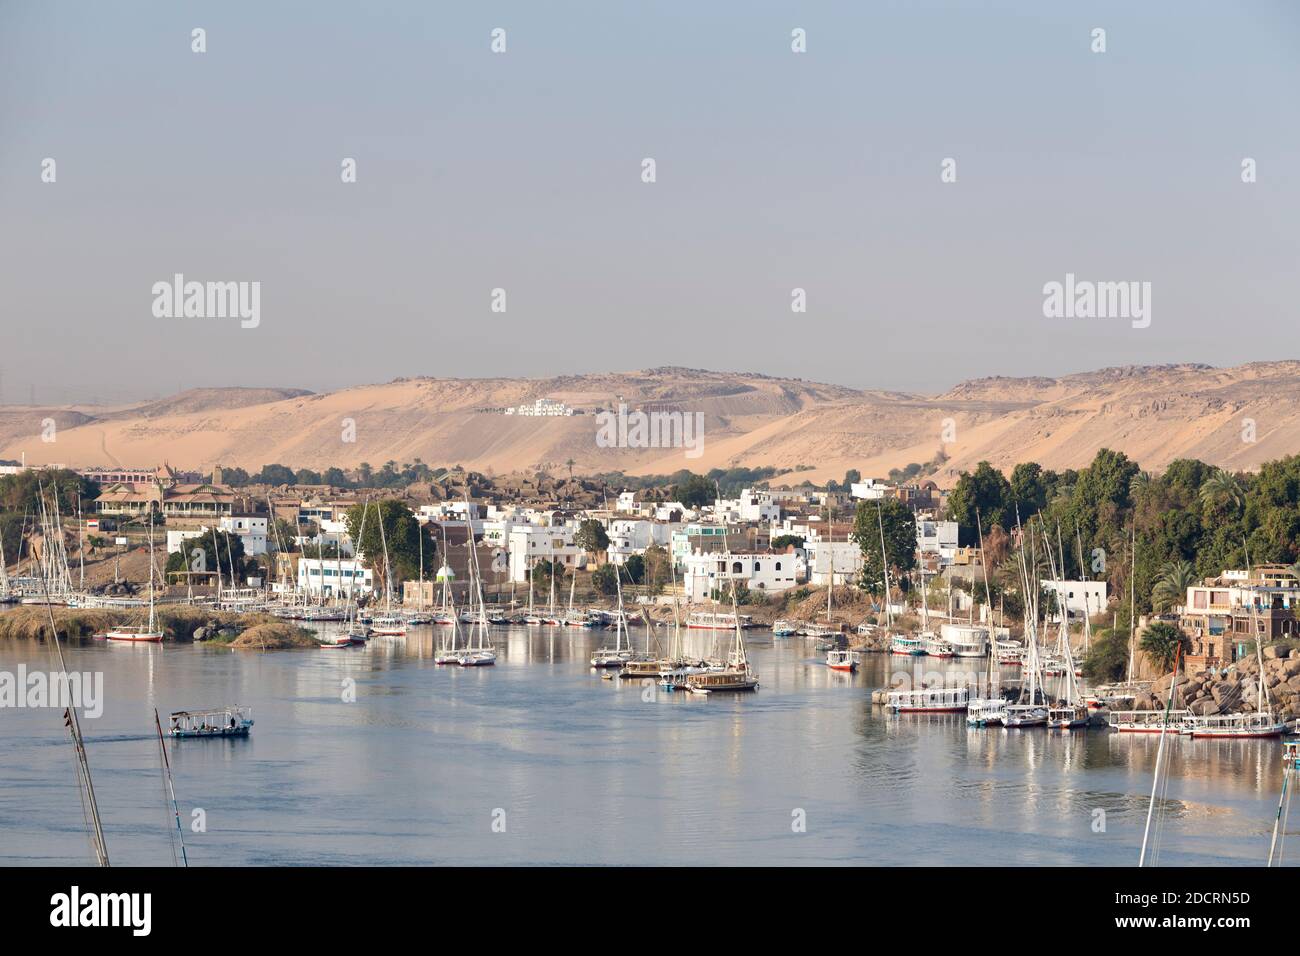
x,y
171,787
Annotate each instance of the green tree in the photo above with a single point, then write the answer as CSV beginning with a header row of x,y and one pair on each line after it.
x,y
695,491
899,528
274,475
783,541
1160,642
401,533
542,571
220,551
591,536
986,491
1171,587
603,579
1107,658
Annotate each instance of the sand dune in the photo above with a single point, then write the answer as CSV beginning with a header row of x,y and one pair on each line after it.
x,y
1154,414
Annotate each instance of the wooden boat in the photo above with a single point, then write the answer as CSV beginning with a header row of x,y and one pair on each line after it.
x,y
784,629
1009,654
213,722
966,640
1146,721
907,646
1025,715
390,625
621,653
736,674
150,632
713,620
842,660
1067,717
986,712
339,640
936,647
929,700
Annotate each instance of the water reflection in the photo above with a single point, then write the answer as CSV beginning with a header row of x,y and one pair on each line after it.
x,y
597,771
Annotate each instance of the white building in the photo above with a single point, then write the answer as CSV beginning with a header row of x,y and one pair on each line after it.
x,y
754,504
531,544
1079,597
543,407
759,571
252,531
629,536
345,578
844,557
873,489
937,537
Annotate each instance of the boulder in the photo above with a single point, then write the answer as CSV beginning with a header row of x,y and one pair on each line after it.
x,y
1203,707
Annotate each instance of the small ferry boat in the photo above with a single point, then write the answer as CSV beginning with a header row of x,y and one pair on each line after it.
x,y
929,700
935,646
910,646
711,620
729,678
986,712
1067,717
1025,715
1009,654
214,722
1259,724
842,660
388,626
784,629
1146,721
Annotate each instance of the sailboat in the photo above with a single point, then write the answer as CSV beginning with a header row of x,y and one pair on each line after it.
x,y
1071,712
444,614
1029,709
621,652
735,674
387,624
574,617
551,618
990,710
478,650
148,633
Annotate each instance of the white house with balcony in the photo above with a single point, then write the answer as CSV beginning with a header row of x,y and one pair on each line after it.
x,y
530,544
754,504
1079,597
759,571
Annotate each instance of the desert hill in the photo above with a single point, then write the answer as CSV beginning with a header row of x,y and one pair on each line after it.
x,y
1153,413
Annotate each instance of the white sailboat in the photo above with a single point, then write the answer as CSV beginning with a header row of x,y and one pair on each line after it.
x,y
387,624
149,632
991,709
478,646
621,652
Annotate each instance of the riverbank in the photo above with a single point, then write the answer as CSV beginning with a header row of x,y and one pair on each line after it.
x,y
178,623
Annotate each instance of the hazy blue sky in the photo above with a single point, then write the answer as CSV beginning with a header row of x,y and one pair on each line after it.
x,y
522,170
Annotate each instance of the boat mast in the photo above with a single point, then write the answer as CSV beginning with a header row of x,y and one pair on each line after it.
x,y
1155,781
151,610
71,721
171,787
988,602
884,564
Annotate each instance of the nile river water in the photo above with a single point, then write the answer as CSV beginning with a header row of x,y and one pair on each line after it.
x,y
539,761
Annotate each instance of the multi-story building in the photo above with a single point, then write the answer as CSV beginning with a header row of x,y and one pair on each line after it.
x,y
1224,616
707,573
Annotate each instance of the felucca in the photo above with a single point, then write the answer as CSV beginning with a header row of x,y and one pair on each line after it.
x,y
149,632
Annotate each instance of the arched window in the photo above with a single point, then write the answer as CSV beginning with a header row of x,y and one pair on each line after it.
x,y
736,568
778,565
756,567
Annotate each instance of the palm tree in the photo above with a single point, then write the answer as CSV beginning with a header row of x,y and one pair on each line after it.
x,y
1139,483
1172,584
1222,486
1160,642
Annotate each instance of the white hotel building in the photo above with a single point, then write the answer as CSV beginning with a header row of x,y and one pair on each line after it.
x,y
345,578
759,571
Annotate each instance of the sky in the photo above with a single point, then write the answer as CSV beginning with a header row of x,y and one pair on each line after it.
x,y
523,170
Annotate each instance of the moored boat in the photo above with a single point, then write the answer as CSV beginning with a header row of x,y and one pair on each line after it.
x,y
929,700
909,646
842,660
